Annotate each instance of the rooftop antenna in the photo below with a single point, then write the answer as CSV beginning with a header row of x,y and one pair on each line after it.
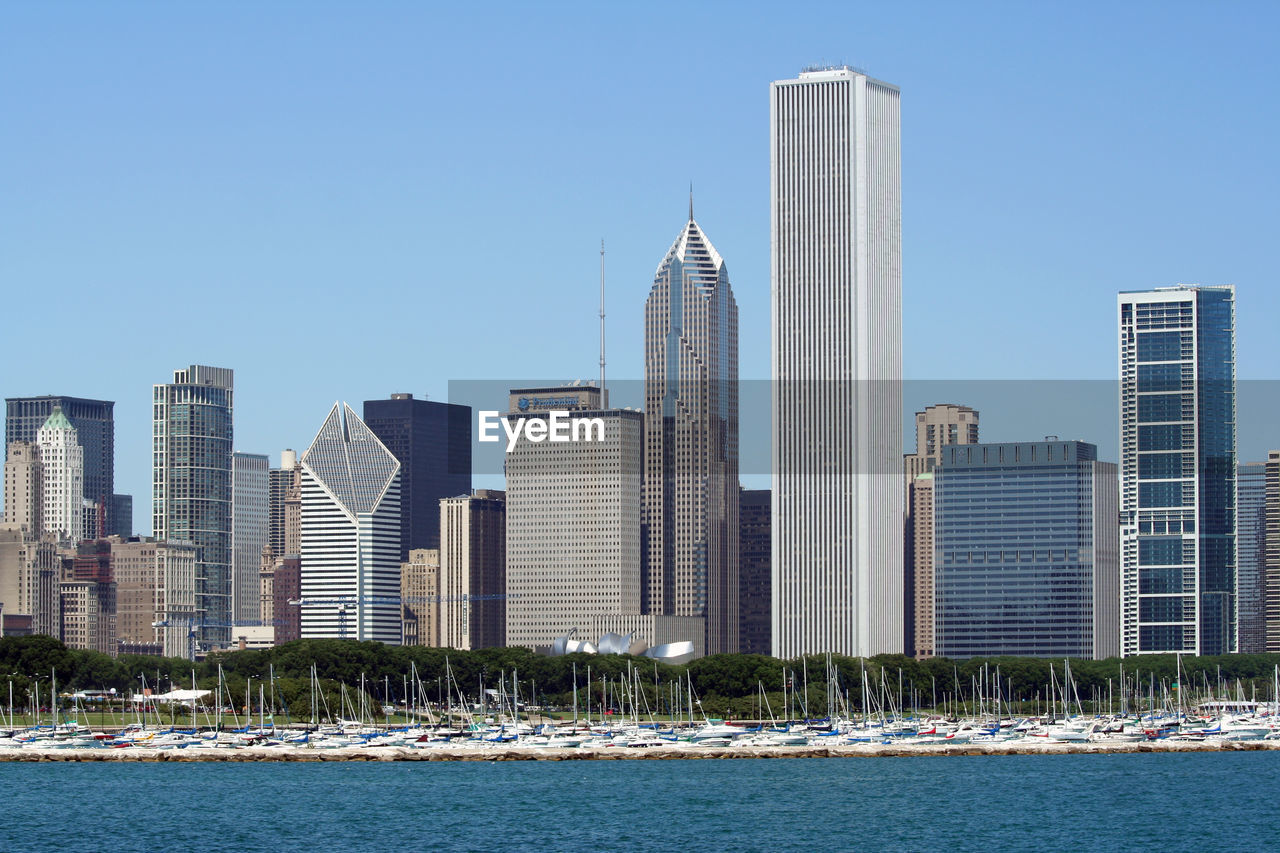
x,y
604,396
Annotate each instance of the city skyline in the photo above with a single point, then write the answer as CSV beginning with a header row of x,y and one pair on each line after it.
x,y
194,183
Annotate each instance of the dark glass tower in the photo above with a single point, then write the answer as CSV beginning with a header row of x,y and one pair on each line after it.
x,y
1025,541
432,442
1178,470
191,484
754,572
94,421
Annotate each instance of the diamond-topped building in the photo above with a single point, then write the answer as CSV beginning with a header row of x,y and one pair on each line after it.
x,y
350,580
691,440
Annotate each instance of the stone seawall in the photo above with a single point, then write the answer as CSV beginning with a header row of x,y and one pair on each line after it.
x,y
445,753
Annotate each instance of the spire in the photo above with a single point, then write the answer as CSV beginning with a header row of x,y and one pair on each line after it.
x,y
691,201
57,420
604,395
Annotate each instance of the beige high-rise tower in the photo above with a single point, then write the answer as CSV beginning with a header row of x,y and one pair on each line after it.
x,y
24,487
473,570
420,598
936,427
573,518
691,440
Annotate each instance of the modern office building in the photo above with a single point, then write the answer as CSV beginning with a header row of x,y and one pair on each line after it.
x,y
691,440
62,461
755,601
94,422
350,576
573,518
155,596
250,523
24,487
473,570
936,427
420,598
1251,557
835,212
1027,562
191,484
432,442
121,516
1177,470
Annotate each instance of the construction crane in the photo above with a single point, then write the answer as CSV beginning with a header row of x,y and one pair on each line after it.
x,y
343,602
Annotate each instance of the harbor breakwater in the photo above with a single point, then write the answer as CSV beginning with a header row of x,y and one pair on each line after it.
x,y
445,753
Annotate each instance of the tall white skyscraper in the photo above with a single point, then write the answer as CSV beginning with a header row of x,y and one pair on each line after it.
x,y
63,490
1178,471
836,224
350,533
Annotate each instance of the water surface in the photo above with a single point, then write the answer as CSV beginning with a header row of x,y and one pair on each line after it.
x,y
1183,801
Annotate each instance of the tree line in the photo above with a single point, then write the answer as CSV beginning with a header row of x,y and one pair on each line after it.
x,y
732,685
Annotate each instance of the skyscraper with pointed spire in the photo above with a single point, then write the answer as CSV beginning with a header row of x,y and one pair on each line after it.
x,y
691,440
350,533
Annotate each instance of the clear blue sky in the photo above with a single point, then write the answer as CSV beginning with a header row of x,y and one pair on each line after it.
x,y
344,200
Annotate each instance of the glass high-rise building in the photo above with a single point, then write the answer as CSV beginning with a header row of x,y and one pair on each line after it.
x,y
691,440
94,421
1026,551
836,225
1178,470
754,575
432,442
191,484
1251,557
249,534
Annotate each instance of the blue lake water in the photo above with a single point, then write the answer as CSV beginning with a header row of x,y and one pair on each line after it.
x,y
1074,802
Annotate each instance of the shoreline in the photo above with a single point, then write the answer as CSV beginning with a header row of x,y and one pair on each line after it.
x,y
445,753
